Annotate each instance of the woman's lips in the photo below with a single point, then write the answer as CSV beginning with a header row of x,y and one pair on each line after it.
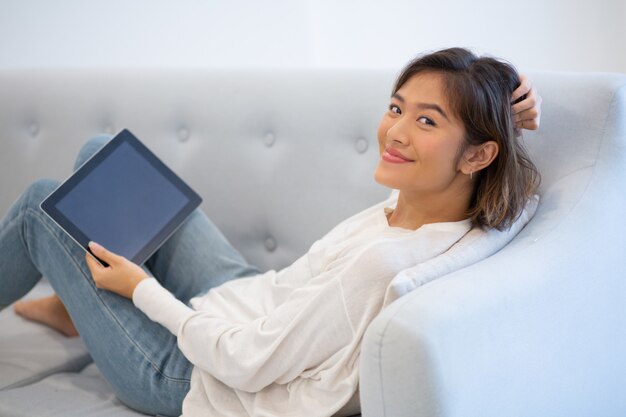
x,y
394,157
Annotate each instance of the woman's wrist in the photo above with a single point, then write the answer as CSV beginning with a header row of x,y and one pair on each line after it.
x,y
134,284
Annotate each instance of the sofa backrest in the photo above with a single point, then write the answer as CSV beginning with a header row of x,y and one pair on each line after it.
x,y
279,156
581,140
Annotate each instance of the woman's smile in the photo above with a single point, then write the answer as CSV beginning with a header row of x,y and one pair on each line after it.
x,y
394,156
419,138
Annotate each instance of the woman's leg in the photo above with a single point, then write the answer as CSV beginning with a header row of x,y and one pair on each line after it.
x,y
196,258
139,358
50,310
22,267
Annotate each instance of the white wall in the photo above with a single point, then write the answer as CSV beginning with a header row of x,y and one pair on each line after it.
x,y
572,35
620,43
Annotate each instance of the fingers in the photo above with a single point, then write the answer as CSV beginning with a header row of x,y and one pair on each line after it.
x,y
92,264
524,88
529,118
527,124
527,113
95,268
532,100
102,253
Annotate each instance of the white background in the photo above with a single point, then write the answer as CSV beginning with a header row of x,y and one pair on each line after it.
x,y
561,35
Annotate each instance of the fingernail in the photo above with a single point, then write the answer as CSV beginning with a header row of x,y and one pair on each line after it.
x,y
94,245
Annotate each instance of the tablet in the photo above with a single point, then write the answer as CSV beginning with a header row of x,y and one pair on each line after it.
x,y
124,198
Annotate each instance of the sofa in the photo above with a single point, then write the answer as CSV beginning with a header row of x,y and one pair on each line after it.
x,y
281,156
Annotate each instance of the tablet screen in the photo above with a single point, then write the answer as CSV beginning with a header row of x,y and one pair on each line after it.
x,y
124,198
136,206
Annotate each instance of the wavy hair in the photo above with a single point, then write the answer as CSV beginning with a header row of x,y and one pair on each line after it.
x,y
479,91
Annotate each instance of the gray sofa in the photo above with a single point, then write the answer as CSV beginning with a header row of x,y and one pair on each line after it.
x,y
280,157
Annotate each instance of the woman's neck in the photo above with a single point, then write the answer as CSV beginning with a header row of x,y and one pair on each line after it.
x,y
415,209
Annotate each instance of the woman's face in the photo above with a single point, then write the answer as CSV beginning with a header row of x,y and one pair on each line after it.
x,y
419,138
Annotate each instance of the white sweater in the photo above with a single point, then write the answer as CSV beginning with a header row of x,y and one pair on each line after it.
x,y
287,343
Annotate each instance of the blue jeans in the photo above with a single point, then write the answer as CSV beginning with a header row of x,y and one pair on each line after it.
x,y
138,357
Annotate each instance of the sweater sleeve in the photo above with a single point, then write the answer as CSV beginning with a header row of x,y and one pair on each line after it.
x,y
313,323
160,305
301,333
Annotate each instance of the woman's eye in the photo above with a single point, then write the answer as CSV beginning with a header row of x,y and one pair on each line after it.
x,y
394,109
426,120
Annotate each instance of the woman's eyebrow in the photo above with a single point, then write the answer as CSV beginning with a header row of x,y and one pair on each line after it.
x,y
431,106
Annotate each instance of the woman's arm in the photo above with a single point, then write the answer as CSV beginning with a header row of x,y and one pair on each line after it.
x,y
245,354
311,326
301,333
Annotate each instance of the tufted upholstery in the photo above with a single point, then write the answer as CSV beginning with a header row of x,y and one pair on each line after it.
x,y
281,156
287,156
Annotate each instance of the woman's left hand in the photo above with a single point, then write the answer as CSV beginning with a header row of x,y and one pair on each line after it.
x,y
120,277
526,113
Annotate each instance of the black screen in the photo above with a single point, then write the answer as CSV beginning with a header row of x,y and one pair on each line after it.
x,y
122,212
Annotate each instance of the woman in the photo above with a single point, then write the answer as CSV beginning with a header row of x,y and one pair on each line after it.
x,y
208,334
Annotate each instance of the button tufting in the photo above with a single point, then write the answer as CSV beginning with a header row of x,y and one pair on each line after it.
x,y
33,128
361,145
269,139
183,134
270,244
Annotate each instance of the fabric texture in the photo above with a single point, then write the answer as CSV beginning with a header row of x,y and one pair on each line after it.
x,y
288,342
85,393
534,330
476,245
29,351
140,359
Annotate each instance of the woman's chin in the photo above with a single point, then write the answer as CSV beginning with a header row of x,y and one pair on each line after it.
x,y
386,181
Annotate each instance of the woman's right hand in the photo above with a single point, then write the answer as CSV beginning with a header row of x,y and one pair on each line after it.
x,y
526,113
121,276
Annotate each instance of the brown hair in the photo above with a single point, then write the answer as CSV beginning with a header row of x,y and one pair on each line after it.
x,y
479,93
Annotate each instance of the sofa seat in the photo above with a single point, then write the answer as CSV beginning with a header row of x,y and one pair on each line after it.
x,y
65,394
30,352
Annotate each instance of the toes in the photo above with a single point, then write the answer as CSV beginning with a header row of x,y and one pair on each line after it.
x,y
18,307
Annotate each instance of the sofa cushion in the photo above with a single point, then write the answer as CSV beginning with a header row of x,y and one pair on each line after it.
x,y
30,351
65,394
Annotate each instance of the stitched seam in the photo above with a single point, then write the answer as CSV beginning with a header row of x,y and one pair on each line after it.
x,y
106,307
21,235
593,167
345,308
380,349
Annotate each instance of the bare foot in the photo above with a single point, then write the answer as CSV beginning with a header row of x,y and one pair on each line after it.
x,y
49,311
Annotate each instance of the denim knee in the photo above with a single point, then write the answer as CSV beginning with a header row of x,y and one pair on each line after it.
x,y
90,147
38,191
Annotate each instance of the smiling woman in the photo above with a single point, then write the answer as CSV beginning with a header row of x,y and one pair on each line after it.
x,y
199,331
448,143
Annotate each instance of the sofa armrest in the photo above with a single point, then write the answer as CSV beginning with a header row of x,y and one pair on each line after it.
x,y
538,329
533,331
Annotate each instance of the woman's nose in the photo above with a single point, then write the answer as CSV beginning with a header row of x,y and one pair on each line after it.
x,y
398,131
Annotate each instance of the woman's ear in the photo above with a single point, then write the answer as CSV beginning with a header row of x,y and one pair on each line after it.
x,y
478,157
